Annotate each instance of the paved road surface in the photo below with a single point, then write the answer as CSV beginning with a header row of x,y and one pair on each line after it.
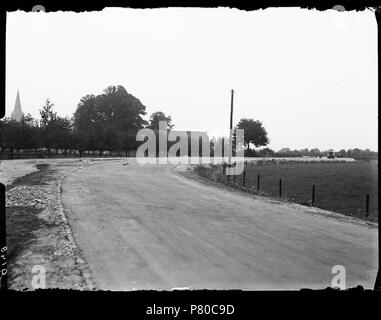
x,y
146,227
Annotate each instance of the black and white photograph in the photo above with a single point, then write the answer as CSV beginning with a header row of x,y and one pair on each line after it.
x,y
185,148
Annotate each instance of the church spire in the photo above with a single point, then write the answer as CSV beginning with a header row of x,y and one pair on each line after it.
x,y
17,113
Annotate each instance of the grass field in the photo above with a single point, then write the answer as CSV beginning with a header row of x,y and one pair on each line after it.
x,y
339,186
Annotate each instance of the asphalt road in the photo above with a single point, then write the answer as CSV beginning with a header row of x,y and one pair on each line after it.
x,y
147,227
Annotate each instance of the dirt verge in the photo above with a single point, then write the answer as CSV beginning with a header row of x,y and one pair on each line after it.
x,y
38,233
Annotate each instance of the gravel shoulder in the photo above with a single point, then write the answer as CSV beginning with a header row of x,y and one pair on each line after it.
x,y
37,229
13,169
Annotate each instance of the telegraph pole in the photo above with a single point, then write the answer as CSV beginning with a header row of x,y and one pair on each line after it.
x,y
231,125
377,285
231,110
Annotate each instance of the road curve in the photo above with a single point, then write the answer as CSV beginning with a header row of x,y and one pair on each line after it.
x,y
145,227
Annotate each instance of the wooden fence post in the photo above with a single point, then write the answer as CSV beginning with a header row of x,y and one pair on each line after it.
x,y
258,182
313,195
280,188
367,206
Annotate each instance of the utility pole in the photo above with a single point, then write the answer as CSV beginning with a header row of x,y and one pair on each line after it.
x,y
231,125
377,285
231,110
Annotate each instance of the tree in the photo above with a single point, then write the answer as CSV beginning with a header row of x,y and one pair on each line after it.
x,y
31,132
19,135
154,120
356,152
11,135
85,124
47,123
108,121
315,152
266,152
158,116
254,133
62,135
342,153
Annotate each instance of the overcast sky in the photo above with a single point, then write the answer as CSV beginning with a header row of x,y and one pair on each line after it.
x,y
309,76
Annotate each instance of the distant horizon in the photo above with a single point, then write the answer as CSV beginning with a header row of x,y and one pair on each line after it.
x,y
184,62
210,137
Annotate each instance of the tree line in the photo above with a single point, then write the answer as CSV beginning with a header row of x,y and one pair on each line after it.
x,y
355,153
108,121
105,122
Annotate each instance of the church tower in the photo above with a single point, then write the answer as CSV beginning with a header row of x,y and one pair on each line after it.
x,y
17,113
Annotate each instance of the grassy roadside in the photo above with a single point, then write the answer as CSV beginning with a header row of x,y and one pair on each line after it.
x,y
336,192
36,233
